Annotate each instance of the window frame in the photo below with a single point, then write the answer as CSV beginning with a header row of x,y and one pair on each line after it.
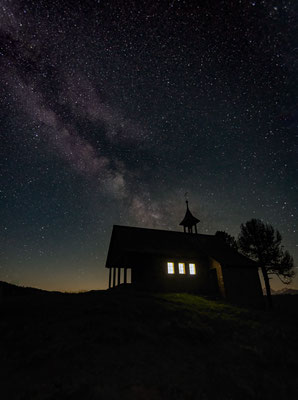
x,y
183,266
194,269
170,264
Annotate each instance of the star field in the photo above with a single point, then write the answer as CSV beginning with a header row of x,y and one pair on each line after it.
x,y
110,112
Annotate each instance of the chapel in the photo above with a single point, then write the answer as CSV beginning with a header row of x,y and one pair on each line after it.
x,y
187,261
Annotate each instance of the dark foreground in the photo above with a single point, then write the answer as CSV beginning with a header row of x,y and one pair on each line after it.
x,y
124,345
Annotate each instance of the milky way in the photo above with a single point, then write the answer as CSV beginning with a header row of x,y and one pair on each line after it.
x,y
111,111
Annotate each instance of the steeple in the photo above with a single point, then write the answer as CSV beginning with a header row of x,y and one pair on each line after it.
x,y
189,221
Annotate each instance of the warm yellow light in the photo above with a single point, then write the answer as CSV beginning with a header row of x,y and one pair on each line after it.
x,y
171,268
181,268
192,269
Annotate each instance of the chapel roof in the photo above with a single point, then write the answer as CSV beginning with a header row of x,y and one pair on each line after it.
x,y
127,240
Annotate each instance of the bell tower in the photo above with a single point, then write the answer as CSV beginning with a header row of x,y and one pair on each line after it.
x,y
189,222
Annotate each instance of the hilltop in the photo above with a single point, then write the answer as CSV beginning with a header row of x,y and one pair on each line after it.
x,y
131,345
11,290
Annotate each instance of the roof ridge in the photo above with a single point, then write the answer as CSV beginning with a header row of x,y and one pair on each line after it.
x,y
160,230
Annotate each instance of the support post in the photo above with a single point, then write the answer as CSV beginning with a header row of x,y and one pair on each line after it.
x,y
119,276
125,276
110,277
114,277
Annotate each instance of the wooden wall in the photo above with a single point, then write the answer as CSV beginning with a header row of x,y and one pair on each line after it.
x,y
150,273
242,285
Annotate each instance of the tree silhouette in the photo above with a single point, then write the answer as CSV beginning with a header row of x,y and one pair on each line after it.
x,y
228,239
262,243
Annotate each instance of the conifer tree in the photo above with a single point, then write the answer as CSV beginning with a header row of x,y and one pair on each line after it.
x,y
228,239
262,243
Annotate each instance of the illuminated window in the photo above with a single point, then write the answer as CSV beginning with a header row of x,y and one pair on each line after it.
x,y
171,268
181,268
192,269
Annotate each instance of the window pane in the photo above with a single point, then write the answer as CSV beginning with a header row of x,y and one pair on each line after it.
x,y
192,269
170,268
181,268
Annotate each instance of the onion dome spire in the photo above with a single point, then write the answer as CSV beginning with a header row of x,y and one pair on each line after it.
x,y
189,222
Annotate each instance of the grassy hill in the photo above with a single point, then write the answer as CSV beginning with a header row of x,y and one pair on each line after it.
x,y
129,345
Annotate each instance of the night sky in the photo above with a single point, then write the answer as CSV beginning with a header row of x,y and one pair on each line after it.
x,y
111,111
